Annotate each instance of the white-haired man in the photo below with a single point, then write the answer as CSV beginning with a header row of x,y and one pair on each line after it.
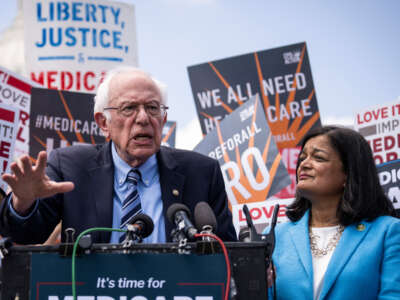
x,y
87,186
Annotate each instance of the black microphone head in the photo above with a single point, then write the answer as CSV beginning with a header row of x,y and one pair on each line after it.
x,y
254,236
247,215
171,211
204,215
145,222
274,216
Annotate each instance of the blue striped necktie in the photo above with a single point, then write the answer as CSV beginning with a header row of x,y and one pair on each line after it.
x,y
131,206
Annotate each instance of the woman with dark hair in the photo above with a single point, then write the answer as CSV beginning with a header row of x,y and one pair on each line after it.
x,y
342,241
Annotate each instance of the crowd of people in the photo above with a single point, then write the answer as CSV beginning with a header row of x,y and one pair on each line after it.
x,y
342,241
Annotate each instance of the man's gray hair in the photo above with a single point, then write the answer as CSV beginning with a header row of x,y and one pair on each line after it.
x,y
101,98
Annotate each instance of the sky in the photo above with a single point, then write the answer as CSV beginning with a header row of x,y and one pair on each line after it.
x,y
353,47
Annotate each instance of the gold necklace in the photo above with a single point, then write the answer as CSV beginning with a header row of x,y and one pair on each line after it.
x,y
333,241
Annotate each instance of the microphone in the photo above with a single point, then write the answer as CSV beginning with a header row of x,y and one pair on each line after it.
x,y
140,227
250,233
253,235
274,217
179,214
204,217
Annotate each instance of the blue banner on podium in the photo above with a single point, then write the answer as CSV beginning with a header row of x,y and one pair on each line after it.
x,y
111,276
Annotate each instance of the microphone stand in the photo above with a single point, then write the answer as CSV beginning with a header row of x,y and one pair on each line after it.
x,y
131,237
206,245
178,236
268,239
208,230
270,243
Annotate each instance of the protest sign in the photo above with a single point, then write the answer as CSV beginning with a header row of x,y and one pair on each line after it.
x,y
60,119
261,213
169,134
250,161
8,130
380,125
16,91
389,177
69,45
282,79
289,159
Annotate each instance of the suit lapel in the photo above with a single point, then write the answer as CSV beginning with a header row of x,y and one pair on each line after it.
x,y
101,183
299,235
171,183
351,238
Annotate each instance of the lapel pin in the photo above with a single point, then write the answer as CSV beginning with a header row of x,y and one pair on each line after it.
x,y
175,192
360,227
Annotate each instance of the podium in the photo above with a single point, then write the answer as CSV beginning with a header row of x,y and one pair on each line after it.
x,y
140,272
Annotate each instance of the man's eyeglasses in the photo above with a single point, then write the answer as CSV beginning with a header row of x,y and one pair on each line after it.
x,y
152,109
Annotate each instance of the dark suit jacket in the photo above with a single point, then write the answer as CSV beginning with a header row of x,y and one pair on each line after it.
x,y
195,176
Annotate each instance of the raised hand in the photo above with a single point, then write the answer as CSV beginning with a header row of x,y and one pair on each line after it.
x,y
29,183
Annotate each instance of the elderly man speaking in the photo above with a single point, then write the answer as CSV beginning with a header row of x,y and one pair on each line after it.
x,y
88,186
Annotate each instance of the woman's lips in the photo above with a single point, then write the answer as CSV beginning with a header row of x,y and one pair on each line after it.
x,y
303,176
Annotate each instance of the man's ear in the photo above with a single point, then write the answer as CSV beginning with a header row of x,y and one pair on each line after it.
x,y
102,122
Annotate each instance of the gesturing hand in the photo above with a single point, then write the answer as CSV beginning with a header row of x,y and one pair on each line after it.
x,y
29,183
